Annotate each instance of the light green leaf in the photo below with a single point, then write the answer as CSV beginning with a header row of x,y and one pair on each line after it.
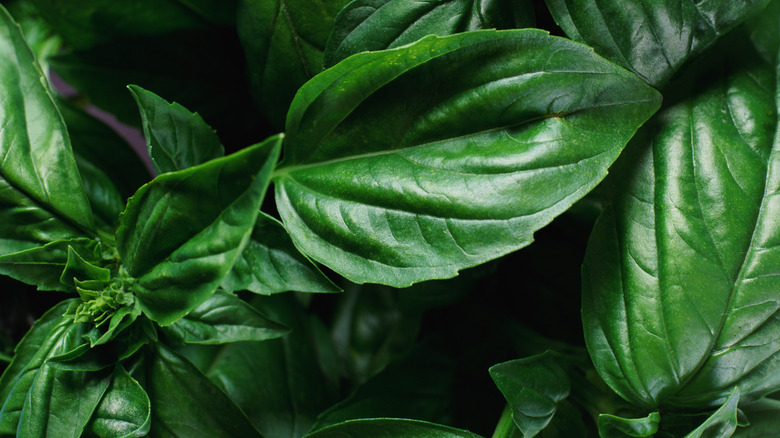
x,y
390,428
186,404
413,163
42,198
223,318
79,269
722,423
534,387
124,411
283,41
653,39
680,278
612,426
43,266
175,137
181,234
271,264
365,25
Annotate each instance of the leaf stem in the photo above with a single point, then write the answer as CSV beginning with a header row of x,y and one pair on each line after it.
x,y
506,426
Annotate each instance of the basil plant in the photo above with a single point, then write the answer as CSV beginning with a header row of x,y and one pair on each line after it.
x,y
390,218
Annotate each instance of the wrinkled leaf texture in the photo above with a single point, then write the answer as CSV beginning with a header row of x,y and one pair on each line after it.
x,y
181,233
413,163
680,279
365,25
124,411
390,428
651,38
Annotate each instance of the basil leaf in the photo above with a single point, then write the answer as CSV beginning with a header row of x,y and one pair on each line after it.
x,y
50,410
611,426
369,25
223,318
298,380
763,418
181,234
652,39
124,411
107,203
270,264
186,404
42,198
413,163
85,23
390,428
683,260
175,137
43,266
534,387
283,41
722,423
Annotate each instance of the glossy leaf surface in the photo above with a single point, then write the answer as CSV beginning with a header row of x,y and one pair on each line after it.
x,y
41,195
181,234
413,163
186,404
283,41
533,387
653,39
124,411
365,25
223,318
722,423
175,137
680,278
271,264
390,428
42,266
611,426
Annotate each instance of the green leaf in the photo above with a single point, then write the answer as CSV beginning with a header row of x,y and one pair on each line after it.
x,y
175,137
534,387
181,234
283,41
271,264
722,423
43,266
124,411
223,318
107,203
50,410
186,404
612,426
297,381
42,198
28,357
85,23
390,428
763,419
369,25
680,277
653,39
79,269
413,163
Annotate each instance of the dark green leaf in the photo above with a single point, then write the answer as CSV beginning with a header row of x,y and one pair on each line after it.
x,y
611,426
296,382
390,428
533,387
680,277
365,25
413,163
124,411
181,234
763,419
107,203
175,137
85,23
722,423
420,386
223,318
653,39
41,195
186,404
43,266
79,269
283,41
61,402
100,146
270,264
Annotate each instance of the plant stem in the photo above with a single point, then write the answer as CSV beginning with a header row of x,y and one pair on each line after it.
x,y
506,426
